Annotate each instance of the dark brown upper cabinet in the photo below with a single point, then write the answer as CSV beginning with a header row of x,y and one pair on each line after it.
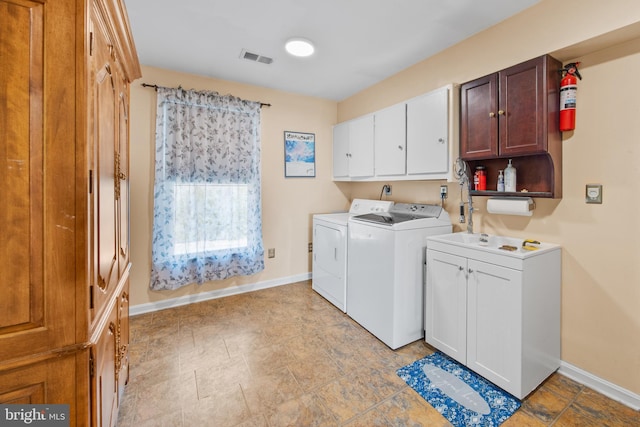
x,y
514,114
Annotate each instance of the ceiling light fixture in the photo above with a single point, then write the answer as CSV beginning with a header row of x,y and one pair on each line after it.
x,y
299,47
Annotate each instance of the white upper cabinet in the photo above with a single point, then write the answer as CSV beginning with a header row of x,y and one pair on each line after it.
x,y
413,140
428,133
390,141
353,149
341,150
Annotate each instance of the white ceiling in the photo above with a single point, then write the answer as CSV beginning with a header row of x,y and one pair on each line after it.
x,y
358,42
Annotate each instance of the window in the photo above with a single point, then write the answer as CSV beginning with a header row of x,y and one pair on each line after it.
x,y
207,207
198,204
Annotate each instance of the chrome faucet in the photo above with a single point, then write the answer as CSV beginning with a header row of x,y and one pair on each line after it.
x,y
470,222
460,169
465,180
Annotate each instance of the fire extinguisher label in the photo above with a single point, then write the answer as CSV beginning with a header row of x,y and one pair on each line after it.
x,y
568,97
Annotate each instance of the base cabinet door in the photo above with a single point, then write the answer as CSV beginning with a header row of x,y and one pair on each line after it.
x,y
50,381
105,370
494,323
446,304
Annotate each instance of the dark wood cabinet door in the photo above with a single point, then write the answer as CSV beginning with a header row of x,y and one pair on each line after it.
x,y
479,118
522,118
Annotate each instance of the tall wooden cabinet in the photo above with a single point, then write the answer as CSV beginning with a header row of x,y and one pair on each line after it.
x,y
64,240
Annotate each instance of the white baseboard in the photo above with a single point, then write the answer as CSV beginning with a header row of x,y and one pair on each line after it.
x,y
610,390
218,293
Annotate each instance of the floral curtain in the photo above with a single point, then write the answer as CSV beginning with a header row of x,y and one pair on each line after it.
x,y
207,222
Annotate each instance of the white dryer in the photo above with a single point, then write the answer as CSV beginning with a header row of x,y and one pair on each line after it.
x,y
329,264
385,269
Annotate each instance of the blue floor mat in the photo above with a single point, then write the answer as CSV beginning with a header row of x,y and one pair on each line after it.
x,y
459,394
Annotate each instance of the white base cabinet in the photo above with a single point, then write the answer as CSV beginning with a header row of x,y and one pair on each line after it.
x,y
497,314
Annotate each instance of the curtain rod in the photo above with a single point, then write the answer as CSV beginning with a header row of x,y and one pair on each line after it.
x,y
262,104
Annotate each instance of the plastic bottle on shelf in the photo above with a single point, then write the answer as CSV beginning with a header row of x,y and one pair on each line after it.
x,y
500,181
480,178
510,178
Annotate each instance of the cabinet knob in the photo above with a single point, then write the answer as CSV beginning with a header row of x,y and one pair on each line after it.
x,y
461,268
470,271
492,114
501,112
400,147
441,140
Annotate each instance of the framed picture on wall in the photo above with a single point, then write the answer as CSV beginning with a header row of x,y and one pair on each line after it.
x,y
299,154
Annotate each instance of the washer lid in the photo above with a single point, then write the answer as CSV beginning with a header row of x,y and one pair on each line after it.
x,y
385,218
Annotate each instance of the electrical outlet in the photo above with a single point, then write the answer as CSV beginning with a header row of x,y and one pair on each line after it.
x,y
443,191
310,247
387,189
593,193
271,253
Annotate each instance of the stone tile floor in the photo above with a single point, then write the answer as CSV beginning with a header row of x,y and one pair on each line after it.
x,y
285,357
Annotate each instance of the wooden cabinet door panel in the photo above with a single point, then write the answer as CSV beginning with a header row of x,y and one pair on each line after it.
x,y
123,177
522,98
479,118
104,382
37,241
123,341
52,381
104,135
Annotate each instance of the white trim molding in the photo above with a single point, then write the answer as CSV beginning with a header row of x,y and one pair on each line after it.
x,y
149,307
610,390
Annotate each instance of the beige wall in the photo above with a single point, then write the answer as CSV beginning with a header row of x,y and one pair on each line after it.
x,y
287,203
600,292
600,274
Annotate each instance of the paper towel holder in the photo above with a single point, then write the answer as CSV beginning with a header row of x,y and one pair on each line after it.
x,y
523,206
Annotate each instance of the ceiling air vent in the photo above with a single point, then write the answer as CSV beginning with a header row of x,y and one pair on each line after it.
x,y
255,57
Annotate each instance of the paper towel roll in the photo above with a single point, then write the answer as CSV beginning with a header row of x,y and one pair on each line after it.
x,y
511,205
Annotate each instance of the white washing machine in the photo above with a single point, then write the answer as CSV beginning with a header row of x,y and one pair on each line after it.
x,y
329,264
385,269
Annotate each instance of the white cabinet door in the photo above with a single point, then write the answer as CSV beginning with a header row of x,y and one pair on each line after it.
x,y
428,133
446,304
494,324
361,147
390,141
341,150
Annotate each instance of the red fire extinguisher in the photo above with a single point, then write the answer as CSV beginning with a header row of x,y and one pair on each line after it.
x,y
568,91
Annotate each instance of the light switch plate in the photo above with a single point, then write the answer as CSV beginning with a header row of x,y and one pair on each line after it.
x,y
593,193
